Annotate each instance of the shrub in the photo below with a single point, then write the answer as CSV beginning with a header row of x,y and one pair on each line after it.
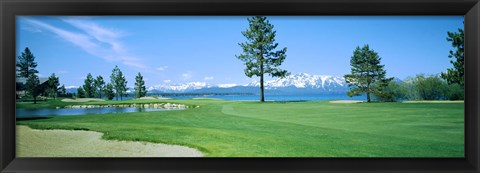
x,y
430,87
455,92
391,93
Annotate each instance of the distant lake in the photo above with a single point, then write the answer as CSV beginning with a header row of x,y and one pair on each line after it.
x,y
80,111
299,97
83,111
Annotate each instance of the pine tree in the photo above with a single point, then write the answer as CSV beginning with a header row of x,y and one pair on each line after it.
x,y
119,82
367,74
26,64
259,55
456,75
53,84
140,89
63,90
32,87
80,92
99,85
109,91
88,86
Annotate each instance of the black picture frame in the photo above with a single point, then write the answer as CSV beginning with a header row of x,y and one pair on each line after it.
x,y
10,8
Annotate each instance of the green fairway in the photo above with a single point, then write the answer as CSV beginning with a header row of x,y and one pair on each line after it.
x,y
282,129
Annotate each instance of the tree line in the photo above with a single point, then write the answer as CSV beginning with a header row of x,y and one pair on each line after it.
x,y
367,75
26,68
117,88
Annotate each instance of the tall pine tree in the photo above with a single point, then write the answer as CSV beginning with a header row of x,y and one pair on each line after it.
x,y
63,90
118,82
140,89
367,74
259,54
99,85
53,86
89,87
32,87
456,75
26,64
80,92
109,93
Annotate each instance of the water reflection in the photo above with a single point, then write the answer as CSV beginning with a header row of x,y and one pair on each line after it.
x,y
83,111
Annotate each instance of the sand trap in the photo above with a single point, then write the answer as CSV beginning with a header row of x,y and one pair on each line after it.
x,y
153,98
70,143
83,100
346,101
434,101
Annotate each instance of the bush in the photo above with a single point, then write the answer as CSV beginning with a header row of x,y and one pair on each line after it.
x,y
455,92
430,87
421,87
391,93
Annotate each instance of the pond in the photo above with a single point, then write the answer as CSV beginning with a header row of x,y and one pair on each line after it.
x,y
82,111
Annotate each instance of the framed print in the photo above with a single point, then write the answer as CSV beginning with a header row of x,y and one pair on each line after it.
x,y
262,86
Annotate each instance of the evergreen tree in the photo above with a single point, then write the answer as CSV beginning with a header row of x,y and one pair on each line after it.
x,y
259,55
119,82
26,64
88,86
32,87
53,84
63,90
367,74
109,91
99,84
140,89
81,92
456,75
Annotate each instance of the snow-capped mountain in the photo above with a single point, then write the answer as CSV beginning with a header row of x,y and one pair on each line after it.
x,y
179,87
226,85
294,84
304,80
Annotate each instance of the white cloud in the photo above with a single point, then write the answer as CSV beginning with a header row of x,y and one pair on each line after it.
x,y
208,78
31,29
62,72
94,39
162,68
187,75
167,81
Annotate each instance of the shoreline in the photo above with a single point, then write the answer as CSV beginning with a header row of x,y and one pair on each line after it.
x,y
79,143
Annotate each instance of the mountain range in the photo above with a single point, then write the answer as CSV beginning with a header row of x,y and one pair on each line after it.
x,y
301,83
298,83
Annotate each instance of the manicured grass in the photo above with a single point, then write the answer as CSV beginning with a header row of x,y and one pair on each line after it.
x,y
286,129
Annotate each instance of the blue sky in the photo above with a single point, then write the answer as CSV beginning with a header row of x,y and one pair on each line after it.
x,y
175,49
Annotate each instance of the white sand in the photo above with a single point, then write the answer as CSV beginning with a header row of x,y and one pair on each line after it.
x,y
83,100
153,98
70,143
346,101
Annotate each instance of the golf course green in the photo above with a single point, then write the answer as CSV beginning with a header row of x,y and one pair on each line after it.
x,y
220,128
